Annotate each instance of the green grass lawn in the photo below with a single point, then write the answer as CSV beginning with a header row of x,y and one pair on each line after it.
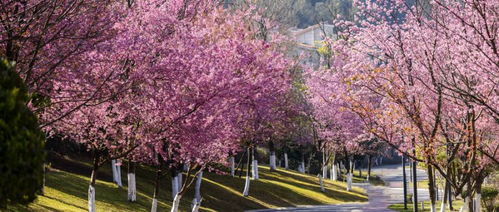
x,y
400,207
67,191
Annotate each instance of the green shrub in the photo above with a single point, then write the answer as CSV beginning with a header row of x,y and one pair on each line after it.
x,y
489,195
21,142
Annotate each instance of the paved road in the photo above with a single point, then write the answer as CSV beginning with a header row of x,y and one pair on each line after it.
x,y
380,197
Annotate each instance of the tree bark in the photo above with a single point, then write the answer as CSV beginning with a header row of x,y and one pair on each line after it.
x,y
321,182
444,200
369,164
232,166
179,181
349,176
155,195
174,183
197,188
324,165
247,180
93,178
176,202
132,187
431,188
286,161
478,196
255,164
272,158
334,170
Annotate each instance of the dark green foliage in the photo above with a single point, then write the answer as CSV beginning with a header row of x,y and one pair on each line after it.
x,y
489,195
21,142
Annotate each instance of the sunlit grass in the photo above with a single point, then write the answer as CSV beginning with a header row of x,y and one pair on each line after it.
x,y
66,191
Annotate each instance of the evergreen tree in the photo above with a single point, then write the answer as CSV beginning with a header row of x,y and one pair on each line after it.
x,y
21,142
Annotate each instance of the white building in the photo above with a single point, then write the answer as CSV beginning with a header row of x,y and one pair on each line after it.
x,y
312,36
309,39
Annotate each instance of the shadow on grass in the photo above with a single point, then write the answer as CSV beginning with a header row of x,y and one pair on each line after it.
x,y
279,188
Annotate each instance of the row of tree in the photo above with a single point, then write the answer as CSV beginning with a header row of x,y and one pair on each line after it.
x,y
179,85
422,77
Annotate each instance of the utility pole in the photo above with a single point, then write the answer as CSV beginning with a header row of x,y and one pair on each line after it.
x,y
414,184
405,181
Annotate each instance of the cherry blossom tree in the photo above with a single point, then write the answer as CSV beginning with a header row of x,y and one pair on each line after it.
x,y
421,78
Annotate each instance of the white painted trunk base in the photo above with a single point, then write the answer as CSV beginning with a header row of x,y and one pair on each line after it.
x,y
465,207
321,181
195,205
91,199
442,207
272,161
254,171
197,188
154,206
433,208
324,172
286,161
232,166
334,172
113,168
196,202
176,203
179,182
132,188
246,186
174,186
116,173
349,181
478,202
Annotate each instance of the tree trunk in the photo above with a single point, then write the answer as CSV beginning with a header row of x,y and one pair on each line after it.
x,y
132,187
155,195
444,200
272,158
431,188
286,161
324,165
197,188
466,207
174,183
255,165
360,169
115,174
302,164
349,176
176,202
449,194
232,166
478,196
179,181
334,170
414,184
321,182
91,187
309,162
410,172
369,164
247,181
118,172
44,177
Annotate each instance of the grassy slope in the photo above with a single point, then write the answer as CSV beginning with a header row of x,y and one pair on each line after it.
x,y
67,191
400,207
